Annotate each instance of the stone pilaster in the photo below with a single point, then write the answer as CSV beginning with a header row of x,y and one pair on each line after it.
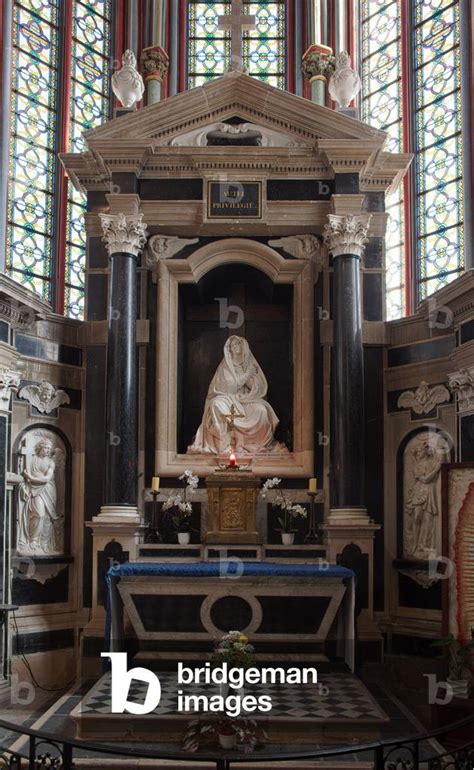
x,y
345,237
124,236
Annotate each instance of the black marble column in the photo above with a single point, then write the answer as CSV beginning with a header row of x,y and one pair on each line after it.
x,y
345,238
124,236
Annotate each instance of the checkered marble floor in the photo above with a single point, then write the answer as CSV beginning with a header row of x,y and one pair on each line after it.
x,y
337,697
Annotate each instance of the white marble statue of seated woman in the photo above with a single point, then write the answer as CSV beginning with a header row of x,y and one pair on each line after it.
x,y
239,382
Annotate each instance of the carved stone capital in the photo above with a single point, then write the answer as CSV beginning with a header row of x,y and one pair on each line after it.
x,y
9,383
155,63
462,383
318,62
347,234
123,234
164,247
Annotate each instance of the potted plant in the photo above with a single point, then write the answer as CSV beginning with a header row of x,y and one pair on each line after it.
x,y
226,734
290,511
234,649
181,508
459,657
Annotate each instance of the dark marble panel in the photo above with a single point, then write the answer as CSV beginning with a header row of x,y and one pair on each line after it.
x,y
413,595
292,614
374,201
299,189
169,553
170,613
466,333
373,297
150,384
26,590
97,296
42,641
227,552
96,200
321,430
229,610
124,183
98,257
353,558
467,438
421,351
94,453
373,255
4,332
374,453
171,189
32,347
346,184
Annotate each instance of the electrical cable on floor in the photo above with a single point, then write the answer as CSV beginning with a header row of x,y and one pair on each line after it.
x,y
28,667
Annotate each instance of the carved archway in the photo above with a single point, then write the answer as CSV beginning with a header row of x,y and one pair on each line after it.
x,y
173,272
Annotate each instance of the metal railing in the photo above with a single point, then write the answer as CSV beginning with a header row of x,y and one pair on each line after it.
x,y
44,750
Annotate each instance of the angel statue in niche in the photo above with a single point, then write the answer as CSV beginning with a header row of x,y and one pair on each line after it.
x,y
239,387
41,498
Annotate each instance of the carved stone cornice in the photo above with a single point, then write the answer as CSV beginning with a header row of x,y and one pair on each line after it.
x,y
462,383
9,383
346,234
123,234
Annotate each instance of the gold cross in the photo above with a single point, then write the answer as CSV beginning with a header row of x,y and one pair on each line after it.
x,y
230,420
236,22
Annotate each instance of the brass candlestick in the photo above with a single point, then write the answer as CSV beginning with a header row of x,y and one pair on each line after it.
x,y
312,535
153,536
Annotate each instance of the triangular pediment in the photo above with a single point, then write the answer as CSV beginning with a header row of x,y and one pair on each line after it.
x,y
235,94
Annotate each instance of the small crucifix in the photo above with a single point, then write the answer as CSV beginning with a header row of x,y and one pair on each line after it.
x,y
236,22
230,420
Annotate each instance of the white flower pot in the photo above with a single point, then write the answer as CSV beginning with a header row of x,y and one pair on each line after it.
x,y
460,687
287,538
184,538
228,741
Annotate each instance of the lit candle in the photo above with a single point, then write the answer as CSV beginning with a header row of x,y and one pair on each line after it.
x,y
313,485
155,484
232,460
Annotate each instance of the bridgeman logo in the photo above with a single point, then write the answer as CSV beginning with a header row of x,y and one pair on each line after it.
x,y
228,701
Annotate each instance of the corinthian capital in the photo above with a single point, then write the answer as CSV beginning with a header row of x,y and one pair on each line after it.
x,y
346,234
126,234
9,382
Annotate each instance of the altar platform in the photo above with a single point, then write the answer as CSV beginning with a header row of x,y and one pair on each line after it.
x,y
305,714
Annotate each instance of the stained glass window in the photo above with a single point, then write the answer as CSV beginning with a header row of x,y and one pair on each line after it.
x,y
89,104
429,42
41,68
439,188
32,173
209,46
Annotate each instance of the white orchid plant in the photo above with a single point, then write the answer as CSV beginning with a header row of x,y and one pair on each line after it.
x,y
178,502
290,511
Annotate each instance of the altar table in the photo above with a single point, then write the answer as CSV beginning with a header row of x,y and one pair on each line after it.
x,y
195,602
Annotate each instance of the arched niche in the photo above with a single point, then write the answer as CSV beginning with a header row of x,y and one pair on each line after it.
x,y
173,274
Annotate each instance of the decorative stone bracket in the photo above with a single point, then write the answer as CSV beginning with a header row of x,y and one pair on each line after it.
x,y
9,383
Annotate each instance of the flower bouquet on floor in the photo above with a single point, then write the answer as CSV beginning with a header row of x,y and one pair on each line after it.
x,y
234,649
180,507
289,511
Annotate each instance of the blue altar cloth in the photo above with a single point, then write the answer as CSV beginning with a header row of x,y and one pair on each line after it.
x,y
218,569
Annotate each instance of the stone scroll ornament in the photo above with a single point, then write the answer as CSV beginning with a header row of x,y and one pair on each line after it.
x,y
44,397
41,494
127,83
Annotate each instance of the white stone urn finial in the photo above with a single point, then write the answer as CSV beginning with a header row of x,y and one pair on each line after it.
x,y
344,83
127,83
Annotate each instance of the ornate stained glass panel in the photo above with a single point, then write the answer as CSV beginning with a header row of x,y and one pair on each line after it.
x,y
438,137
264,46
382,107
209,48
32,171
208,45
89,106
